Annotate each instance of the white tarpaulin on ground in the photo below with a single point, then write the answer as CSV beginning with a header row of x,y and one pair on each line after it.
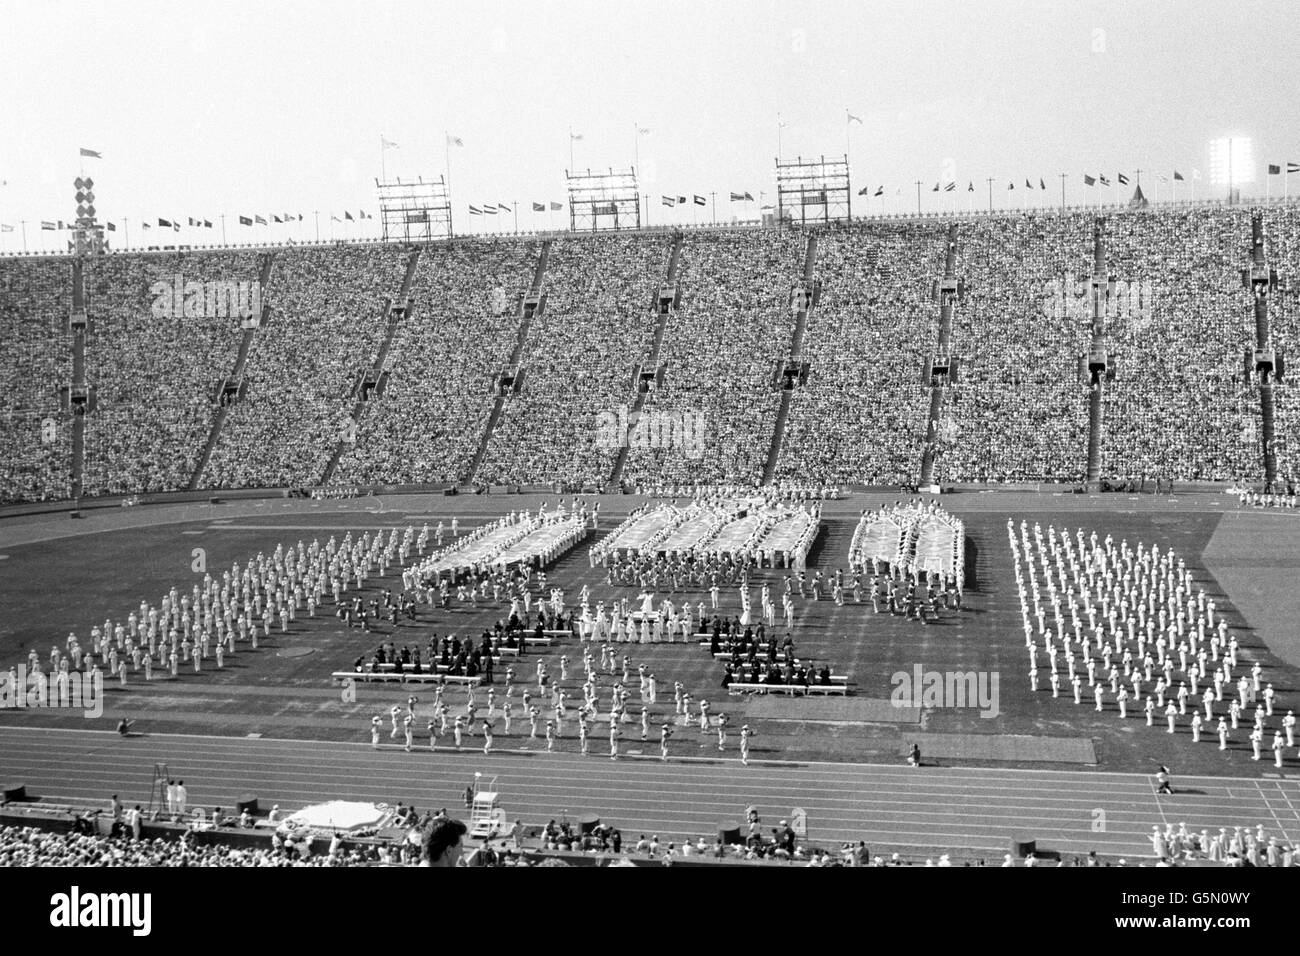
x,y
346,816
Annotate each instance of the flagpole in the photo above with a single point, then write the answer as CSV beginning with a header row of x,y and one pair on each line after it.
x,y
24,222
446,148
223,229
126,225
571,149
515,203
383,170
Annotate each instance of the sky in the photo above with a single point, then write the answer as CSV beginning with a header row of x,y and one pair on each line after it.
x,y
279,106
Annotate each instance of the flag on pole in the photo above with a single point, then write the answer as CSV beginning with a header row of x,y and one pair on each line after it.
x,y
1274,170
865,190
1178,177
1028,184
47,226
475,211
1089,180
111,227
1293,167
669,201
273,217
699,201
146,225
259,219
575,136
90,153
879,192
950,187
207,223
489,209
454,140
504,207
855,119
1123,180
539,207
1041,184
556,206
1011,185
348,216
245,221
970,188
5,227
642,131
936,187
164,222
386,144
1103,179
681,200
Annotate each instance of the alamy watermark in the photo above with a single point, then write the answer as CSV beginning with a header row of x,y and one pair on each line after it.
x,y
948,689
179,297
681,431
75,909
71,690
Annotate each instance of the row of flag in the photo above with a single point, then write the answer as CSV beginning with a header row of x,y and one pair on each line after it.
x,y
1088,180
491,209
1275,169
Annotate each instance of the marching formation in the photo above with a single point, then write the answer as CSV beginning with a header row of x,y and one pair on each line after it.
x,y
1153,641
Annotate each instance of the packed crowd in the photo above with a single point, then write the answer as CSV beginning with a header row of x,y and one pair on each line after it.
x,y
1148,624
861,417
1018,411
723,349
444,363
30,846
597,326
1242,847
155,372
326,326
1282,252
35,361
1178,408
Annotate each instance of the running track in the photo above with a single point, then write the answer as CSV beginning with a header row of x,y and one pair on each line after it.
x,y
889,806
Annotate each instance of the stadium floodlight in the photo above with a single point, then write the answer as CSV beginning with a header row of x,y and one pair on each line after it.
x,y
1232,161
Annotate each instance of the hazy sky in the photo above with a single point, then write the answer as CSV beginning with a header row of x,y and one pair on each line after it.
x,y
277,106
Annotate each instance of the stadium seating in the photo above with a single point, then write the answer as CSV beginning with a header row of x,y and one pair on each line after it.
x,y
35,360
1179,406
578,360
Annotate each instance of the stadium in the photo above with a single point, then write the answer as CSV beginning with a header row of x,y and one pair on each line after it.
x,y
825,532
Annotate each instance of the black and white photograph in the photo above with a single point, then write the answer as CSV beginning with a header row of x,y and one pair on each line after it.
x,y
733,437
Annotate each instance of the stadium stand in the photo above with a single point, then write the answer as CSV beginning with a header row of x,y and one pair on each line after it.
x,y
35,360
1180,406
722,349
427,425
326,321
596,327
